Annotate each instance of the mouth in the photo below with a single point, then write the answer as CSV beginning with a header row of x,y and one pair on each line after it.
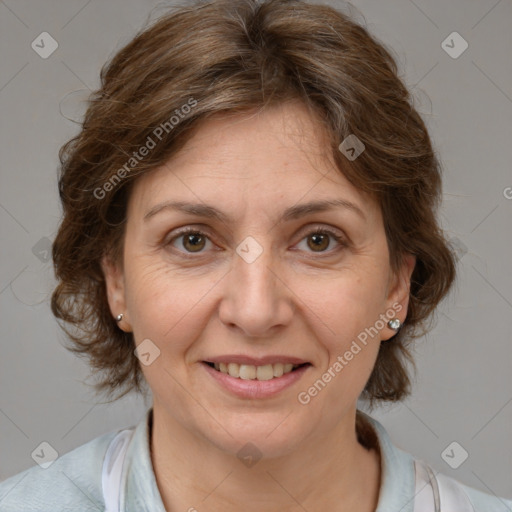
x,y
252,372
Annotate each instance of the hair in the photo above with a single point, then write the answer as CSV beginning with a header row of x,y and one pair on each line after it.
x,y
229,57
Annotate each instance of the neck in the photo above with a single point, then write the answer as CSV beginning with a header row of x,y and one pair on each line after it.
x,y
333,471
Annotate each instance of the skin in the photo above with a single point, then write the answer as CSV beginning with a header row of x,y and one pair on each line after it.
x,y
297,298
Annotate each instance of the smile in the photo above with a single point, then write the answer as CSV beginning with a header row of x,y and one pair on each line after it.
x,y
252,372
254,382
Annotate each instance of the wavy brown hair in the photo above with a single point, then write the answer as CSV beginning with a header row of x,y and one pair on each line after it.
x,y
231,57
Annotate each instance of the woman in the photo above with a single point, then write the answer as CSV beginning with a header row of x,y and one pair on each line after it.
x,y
250,230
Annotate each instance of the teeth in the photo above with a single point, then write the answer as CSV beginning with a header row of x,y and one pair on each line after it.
x,y
246,372
265,372
278,369
233,369
250,372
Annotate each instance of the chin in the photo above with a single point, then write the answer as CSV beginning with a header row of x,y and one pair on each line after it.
x,y
258,435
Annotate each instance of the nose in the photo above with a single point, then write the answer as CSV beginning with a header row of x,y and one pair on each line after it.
x,y
256,299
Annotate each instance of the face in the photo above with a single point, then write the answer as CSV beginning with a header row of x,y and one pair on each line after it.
x,y
264,278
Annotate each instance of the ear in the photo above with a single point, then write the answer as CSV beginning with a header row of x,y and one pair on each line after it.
x,y
114,281
399,286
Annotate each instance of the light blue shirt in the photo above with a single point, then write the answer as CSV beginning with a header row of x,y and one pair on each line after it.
x,y
74,481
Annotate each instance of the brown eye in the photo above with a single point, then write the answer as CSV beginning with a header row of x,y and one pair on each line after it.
x,y
189,241
193,242
319,241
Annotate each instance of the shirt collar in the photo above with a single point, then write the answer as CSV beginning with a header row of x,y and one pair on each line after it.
x,y
397,472
141,492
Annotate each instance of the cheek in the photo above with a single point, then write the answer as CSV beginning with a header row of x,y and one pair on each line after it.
x,y
164,304
343,304
338,317
342,313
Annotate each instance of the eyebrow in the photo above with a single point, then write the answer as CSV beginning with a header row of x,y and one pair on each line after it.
x,y
294,212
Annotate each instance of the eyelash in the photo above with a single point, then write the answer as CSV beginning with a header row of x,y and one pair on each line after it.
x,y
316,231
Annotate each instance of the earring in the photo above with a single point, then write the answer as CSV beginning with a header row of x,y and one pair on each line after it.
x,y
119,317
395,324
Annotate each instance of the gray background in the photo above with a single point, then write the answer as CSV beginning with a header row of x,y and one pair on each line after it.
x,y
463,391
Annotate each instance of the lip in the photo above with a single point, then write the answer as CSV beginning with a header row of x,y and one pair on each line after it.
x,y
255,388
255,361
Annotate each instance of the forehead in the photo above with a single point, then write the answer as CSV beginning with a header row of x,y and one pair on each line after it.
x,y
259,160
